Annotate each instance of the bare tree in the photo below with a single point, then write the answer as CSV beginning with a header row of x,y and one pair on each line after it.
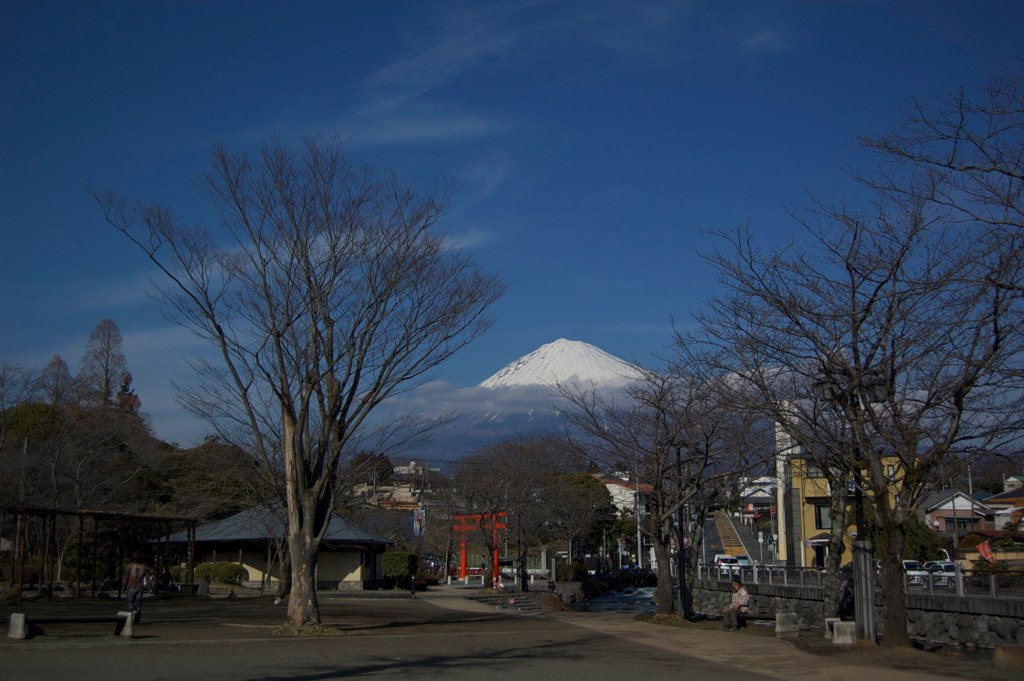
x,y
17,386
523,478
213,480
103,366
963,153
56,384
677,436
899,299
580,505
326,290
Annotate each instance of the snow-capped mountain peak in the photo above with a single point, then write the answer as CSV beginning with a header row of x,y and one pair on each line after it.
x,y
565,361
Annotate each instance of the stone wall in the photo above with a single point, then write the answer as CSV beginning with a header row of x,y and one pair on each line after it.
x,y
972,622
710,597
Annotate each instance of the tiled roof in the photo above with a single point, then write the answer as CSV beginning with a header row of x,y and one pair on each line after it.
x,y
1008,495
263,522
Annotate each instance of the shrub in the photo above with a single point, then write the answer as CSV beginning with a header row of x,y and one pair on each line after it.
x,y
229,573
203,571
221,572
398,565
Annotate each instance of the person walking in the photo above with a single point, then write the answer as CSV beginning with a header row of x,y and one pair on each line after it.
x,y
738,604
134,583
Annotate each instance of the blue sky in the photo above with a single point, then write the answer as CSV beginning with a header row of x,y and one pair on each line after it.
x,y
593,142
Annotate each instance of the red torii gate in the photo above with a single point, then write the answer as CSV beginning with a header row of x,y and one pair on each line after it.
x,y
465,524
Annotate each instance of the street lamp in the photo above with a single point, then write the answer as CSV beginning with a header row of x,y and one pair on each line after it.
x,y
839,387
682,522
636,511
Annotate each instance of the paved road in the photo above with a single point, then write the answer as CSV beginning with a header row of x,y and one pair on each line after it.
x,y
438,635
377,638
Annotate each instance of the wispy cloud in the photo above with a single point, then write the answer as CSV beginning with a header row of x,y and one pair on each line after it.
x,y
128,291
638,33
465,41
401,101
415,128
486,176
766,40
438,398
468,239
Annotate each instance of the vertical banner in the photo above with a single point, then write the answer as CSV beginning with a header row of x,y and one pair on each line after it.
x,y
418,519
986,552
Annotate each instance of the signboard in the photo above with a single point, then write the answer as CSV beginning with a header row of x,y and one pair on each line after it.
x,y
418,522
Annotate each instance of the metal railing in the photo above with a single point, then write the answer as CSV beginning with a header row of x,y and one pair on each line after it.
x,y
1006,583
764,574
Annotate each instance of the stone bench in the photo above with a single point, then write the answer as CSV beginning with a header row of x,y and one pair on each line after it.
x,y
787,624
844,633
829,622
21,625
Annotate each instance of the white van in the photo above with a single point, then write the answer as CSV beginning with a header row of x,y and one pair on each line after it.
x,y
727,565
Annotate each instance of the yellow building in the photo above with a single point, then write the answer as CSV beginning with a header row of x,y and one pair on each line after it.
x,y
807,513
810,495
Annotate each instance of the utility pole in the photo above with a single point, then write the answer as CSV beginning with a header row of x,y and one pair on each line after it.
x,y
636,511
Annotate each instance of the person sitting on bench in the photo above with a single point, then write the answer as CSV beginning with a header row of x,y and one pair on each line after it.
x,y
134,582
739,604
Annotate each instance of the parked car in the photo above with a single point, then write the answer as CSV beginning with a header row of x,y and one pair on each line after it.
x,y
917,576
727,565
942,572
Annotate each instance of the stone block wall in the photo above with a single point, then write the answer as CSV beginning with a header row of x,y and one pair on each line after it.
x,y
972,622
709,598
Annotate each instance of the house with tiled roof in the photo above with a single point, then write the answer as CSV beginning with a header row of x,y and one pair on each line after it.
x,y
955,514
350,557
1008,504
627,494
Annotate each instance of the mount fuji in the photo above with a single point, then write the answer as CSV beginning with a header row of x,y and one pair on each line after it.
x,y
519,399
567,362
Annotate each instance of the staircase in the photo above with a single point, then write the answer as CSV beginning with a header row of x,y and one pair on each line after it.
x,y
731,543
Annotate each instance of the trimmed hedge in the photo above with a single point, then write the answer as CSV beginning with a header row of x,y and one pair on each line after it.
x,y
398,565
222,572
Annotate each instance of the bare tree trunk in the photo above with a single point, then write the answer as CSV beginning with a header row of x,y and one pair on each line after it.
x,y
284,587
895,633
303,609
833,582
893,540
663,554
303,540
